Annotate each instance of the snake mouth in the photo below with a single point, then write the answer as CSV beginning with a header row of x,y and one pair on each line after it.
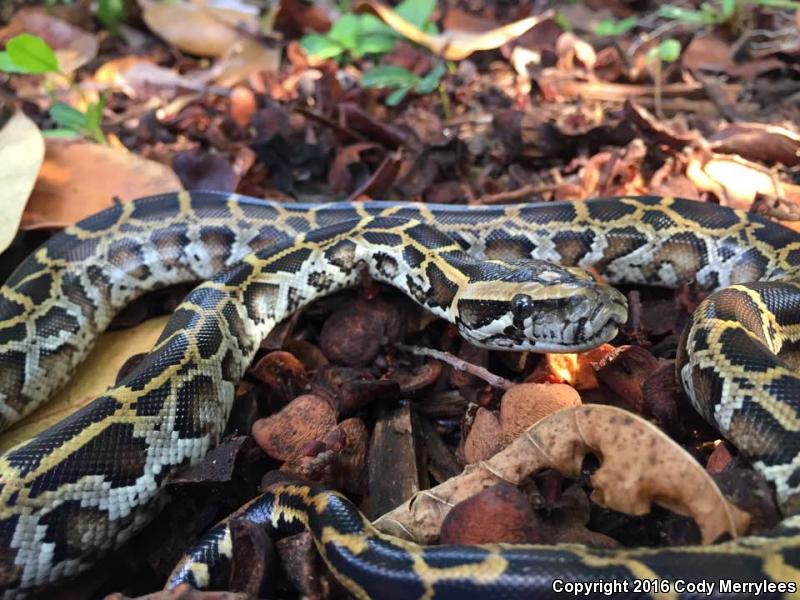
x,y
607,333
600,325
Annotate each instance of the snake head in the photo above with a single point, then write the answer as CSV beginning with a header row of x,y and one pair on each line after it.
x,y
534,305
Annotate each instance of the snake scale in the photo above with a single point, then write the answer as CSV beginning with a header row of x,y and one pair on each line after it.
x,y
93,480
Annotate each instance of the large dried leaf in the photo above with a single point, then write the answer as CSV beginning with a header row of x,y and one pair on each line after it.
x,y
201,28
736,181
453,45
97,373
80,178
21,155
640,466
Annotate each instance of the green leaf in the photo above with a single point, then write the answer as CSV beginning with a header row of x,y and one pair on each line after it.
x,y
68,117
61,133
610,27
111,13
9,66
94,113
376,44
321,46
790,4
396,97
416,12
31,53
372,25
389,76
431,81
562,21
346,31
669,50
677,13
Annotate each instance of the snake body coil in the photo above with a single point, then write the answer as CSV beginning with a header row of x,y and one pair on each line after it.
x,y
94,479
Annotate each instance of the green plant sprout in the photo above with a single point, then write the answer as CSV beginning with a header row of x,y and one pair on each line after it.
x,y
402,81
667,51
31,55
354,36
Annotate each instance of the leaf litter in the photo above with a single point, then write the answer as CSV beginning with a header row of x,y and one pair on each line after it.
x,y
428,102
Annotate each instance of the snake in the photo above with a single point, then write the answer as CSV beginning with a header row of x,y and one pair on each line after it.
x,y
511,277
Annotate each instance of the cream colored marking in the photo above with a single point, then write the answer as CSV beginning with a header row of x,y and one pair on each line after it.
x,y
637,569
480,573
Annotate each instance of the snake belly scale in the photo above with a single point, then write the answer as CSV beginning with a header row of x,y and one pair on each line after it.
x,y
93,480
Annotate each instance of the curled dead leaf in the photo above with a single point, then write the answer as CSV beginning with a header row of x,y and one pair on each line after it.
x,y
453,45
640,466
21,155
78,179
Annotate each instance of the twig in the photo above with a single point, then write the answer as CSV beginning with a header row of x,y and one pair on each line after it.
x,y
460,365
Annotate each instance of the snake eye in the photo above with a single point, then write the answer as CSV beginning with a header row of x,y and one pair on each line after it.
x,y
522,306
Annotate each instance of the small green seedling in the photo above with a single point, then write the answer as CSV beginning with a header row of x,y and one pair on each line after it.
x,y
111,14
610,27
402,81
719,13
30,55
354,36
667,51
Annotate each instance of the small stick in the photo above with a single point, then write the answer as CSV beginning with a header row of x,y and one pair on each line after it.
x,y
460,365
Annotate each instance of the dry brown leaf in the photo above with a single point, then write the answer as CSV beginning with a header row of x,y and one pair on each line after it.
x,y
736,181
200,28
73,46
244,57
78,179
756,141
640,465
93,377
21,155
453,45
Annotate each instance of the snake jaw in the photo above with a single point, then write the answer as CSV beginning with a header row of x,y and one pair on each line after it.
x,y
583,326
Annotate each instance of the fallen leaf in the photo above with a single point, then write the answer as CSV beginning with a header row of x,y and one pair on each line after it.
x,y
78,179
92,378
73,46
757,141
453,45
640,465
201,170
710,52
243,58
736,181
21,155
571,49
205,29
